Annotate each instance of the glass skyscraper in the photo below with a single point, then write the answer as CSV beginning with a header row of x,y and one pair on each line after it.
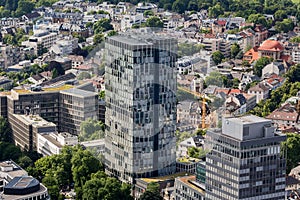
x,y
140,118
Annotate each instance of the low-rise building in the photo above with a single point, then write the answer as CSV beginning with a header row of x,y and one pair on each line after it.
x,y
188,188
52,143
8,170
25,129
261,90
286,115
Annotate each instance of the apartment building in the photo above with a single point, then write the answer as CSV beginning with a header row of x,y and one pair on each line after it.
x,y
213,44
25,129
42,39
52,143
76,106
244,161
66,106
140,101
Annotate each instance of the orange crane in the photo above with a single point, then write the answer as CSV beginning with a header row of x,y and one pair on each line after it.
x,y
202,97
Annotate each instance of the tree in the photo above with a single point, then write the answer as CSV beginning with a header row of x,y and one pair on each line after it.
x,y
102,187
195,152
98,38
24,161
102,25
215,11
260,64
9,151
83,165
4,129
188,49
154,22
56,65
291,148
84,75
152,192
24,6
258,19
235,49
178,6
280,15
102,94
55,73
217,57
295,39
91,130
214,78
293,74
112,33
284,26
148,13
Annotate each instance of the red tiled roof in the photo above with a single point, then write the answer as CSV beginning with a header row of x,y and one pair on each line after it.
x,y
285,113
236,91
221,22
224,90
253,53
270,45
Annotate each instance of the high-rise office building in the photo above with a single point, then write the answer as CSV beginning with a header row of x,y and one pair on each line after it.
x,y
245,161
140,101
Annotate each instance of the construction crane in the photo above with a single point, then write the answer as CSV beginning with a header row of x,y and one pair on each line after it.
x,y
203,109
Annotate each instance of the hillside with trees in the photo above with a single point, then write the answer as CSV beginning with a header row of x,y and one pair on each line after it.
x,y
278,96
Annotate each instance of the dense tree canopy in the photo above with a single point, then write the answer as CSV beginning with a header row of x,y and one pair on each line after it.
x,y
91,130
291,149
289,88
154,22
217,57
260,64
152,192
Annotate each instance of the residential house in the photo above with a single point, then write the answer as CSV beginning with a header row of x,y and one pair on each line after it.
x,y
128,21
69,29
296,54
30,17
76,60
261,90
196,141
277,68
236,104
285,115
142,7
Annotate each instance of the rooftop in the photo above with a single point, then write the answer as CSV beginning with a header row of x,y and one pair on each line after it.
x,y
17,170
79,92
248,119
49,89
163,178
270,45
191,182
34,120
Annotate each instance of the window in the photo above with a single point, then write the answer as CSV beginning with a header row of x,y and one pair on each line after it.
x,y
246,131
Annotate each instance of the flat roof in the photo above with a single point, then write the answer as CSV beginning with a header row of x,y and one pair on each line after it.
x,y
34,120
248,119
191,182
79,92
48,89
164,178
93,143
138,37
17,170
52,140
42,190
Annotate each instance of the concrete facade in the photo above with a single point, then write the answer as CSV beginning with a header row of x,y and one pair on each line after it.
x,y
245,160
